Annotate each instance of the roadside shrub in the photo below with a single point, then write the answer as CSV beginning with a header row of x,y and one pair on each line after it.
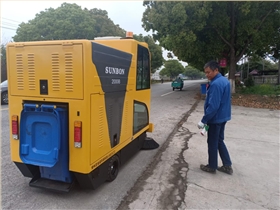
x,y
249,82
277,89
264,89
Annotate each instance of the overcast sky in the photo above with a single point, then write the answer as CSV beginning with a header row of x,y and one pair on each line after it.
x,y
121,12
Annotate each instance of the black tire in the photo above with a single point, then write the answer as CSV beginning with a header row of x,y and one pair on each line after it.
x,y
4,97
113,168
180,88
173,89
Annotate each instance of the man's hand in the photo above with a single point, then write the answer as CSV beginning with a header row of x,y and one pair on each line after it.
x,y
200,125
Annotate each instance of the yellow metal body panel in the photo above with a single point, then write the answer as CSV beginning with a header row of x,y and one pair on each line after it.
x,y
60,63
73,81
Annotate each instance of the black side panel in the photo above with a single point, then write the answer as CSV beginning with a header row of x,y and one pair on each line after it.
x,y
114,110
132,148
93,179
113,68
28,170
99,175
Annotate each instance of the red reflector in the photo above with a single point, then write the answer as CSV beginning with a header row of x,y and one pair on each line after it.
x,y
78,134
15,126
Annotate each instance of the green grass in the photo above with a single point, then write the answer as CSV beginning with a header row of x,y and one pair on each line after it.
x,y
264,89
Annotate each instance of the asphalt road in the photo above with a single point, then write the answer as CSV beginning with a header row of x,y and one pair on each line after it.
x,y
167,110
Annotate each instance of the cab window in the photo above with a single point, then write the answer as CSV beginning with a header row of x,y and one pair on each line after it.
x,y
140,116
143,68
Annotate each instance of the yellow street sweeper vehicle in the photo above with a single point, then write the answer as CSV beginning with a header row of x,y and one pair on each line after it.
x,y
78,109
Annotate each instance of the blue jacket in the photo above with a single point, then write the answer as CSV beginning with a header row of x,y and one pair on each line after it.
x,y
217,106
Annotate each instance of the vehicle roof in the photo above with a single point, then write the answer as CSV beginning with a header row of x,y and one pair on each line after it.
x,y
5,82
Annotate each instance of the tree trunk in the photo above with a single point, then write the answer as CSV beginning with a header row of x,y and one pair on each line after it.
x,y
232,69
232,62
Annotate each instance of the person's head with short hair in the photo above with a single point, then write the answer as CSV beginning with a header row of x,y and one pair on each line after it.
x,y
211,69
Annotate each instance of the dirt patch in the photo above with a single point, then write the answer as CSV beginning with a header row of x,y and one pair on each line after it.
x,y
256,101
253,101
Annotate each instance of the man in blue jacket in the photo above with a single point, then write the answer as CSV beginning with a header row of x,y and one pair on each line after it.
x,y
217,111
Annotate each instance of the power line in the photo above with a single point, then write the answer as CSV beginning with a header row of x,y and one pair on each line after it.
x,y
9,28
9,24
11,20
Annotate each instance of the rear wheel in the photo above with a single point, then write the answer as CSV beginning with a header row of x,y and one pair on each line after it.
x,y
113,168
173,89
4,97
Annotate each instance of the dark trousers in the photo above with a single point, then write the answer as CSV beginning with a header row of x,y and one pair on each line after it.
x,y
215,141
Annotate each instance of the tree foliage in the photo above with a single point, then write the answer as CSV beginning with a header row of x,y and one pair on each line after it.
x,y
104,26
69,21
3,63
155,50
172,68
197,32
193,73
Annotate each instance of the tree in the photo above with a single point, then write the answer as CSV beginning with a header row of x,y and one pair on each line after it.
x,y
104,26
197,32
69,21
3,63
172,68
155,50
193,73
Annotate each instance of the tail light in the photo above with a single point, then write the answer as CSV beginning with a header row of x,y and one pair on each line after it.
x,y
78,134
15,126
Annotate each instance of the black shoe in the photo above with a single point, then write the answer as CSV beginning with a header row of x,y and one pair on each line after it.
x,y
226,169
206,168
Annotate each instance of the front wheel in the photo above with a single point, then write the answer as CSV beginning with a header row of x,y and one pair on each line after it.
x,y
173,89
113,168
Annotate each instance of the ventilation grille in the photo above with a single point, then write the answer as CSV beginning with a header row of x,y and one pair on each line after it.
x,y
100,129
31,71
19,67
69,72
61,67
55,72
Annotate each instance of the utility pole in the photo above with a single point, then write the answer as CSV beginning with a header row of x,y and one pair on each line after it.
x,y
279,71
248,69
242,69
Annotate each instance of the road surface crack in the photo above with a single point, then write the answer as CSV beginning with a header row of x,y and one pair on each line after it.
x,y
172,193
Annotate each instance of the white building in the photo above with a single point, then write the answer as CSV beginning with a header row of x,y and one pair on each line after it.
x,y
156,76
